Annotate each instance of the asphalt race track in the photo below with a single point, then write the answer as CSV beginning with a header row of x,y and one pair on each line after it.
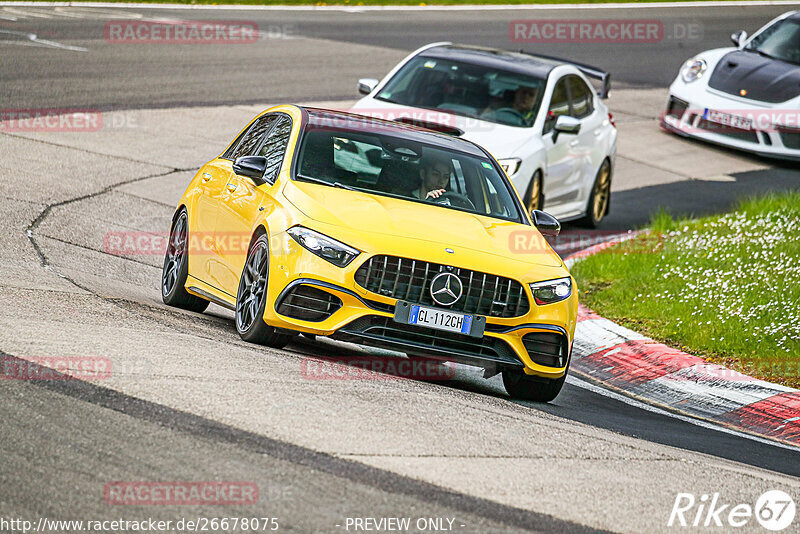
x,y
304,55
189,401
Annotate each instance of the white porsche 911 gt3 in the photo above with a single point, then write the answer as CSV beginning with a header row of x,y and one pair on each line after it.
x,y
538,116
745,97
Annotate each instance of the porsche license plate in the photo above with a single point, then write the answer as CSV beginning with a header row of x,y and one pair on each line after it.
x,y
726,119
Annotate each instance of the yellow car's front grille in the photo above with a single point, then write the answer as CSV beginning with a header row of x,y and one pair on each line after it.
x,y
407,279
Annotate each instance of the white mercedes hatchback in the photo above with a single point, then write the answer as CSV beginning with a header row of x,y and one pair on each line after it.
x,y
538,116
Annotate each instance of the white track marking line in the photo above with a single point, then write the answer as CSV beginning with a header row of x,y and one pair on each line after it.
x,y
98,14
25,13
357,9
13,13
575,381
33,40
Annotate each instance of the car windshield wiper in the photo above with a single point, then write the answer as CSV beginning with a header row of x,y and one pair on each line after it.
x,y
325,182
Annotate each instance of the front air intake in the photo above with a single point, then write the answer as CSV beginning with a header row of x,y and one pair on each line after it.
x,y
308,303
545,348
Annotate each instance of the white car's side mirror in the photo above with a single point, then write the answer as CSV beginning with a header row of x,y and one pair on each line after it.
x,y
566,125
739,38
366,85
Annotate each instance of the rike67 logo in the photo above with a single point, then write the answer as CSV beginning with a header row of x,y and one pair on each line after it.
x,y
774,510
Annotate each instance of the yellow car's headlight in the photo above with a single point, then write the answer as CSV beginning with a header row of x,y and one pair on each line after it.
x,y
323,246
551,291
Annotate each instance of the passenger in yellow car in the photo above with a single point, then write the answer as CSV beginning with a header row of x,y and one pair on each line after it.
x,y
435,175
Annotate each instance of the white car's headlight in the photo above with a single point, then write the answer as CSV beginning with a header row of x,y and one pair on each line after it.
x,y
323,246
693,69
510,165
551,291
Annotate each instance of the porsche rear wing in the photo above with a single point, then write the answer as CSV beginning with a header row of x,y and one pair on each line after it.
x,y
588,71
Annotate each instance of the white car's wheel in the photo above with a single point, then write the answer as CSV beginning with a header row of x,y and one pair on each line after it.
x,y
534,199
597,207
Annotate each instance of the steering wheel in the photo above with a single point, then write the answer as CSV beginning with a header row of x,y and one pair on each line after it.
x,y
455,199
510,111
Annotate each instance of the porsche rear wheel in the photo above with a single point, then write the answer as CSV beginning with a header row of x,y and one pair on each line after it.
x,y
533,388
597,207
251,298
176,269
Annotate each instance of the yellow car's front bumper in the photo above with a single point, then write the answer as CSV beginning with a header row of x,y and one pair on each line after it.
x,y
368,318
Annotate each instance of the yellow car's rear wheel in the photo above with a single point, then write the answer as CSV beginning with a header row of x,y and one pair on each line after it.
x,y
251,298
176,268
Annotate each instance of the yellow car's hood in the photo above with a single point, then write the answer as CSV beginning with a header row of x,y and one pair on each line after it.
x,y
365,214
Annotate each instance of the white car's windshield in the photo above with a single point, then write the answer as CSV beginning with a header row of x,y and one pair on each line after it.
x,y
466,89
391,166
779,41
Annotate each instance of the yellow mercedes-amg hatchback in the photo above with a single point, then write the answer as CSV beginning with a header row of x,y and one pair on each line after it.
x,y
377,233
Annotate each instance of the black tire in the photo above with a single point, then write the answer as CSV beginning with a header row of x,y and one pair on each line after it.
x,y
534,196
599,200
526,387
251,299
176,268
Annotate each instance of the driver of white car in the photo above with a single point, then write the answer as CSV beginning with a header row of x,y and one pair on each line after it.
x,y
521,112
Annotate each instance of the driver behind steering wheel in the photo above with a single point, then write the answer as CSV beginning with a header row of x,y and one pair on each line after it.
x,y
435,174
521,112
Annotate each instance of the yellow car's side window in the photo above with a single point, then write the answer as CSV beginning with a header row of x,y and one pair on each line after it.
x,y
274,147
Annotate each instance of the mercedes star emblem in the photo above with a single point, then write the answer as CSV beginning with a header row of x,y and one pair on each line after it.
x,y
446,289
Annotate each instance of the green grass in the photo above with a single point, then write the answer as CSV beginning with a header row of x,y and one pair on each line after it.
x,y
377,2
726,288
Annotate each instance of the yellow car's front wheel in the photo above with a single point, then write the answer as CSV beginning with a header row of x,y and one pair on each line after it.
x,y
251,298
527,387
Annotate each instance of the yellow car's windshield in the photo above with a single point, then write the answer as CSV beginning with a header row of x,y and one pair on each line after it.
x,y
408,169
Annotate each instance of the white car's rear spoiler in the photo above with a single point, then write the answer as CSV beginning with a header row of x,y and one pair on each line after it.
x,y
588,71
